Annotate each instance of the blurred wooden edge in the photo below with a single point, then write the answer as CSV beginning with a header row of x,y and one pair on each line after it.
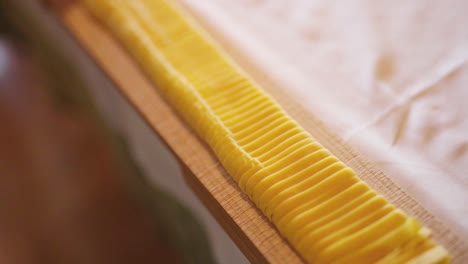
x,y
245,224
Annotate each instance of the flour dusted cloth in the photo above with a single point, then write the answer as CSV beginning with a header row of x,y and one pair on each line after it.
x,y
390,77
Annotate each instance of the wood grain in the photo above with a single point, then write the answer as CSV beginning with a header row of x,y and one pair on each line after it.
x,y
245,224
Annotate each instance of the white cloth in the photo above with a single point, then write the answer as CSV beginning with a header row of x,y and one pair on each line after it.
x,y
391,78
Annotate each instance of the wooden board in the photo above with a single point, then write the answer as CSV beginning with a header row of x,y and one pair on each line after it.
x,y
245,224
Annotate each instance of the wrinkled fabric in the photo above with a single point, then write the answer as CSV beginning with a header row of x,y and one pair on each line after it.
x,y
390,77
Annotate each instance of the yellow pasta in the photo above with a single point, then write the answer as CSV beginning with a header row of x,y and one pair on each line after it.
x,y
317,202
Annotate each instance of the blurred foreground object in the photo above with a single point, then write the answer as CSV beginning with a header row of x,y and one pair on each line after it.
x,y
62,196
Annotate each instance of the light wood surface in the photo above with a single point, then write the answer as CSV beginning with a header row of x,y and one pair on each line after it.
x,y
245,224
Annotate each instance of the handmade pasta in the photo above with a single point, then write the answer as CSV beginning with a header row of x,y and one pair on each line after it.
x,y
316,201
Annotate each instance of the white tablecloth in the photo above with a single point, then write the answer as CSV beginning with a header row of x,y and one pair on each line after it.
x,y
391,78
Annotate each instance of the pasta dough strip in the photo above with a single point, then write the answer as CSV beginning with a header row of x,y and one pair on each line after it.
x,y
318,203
